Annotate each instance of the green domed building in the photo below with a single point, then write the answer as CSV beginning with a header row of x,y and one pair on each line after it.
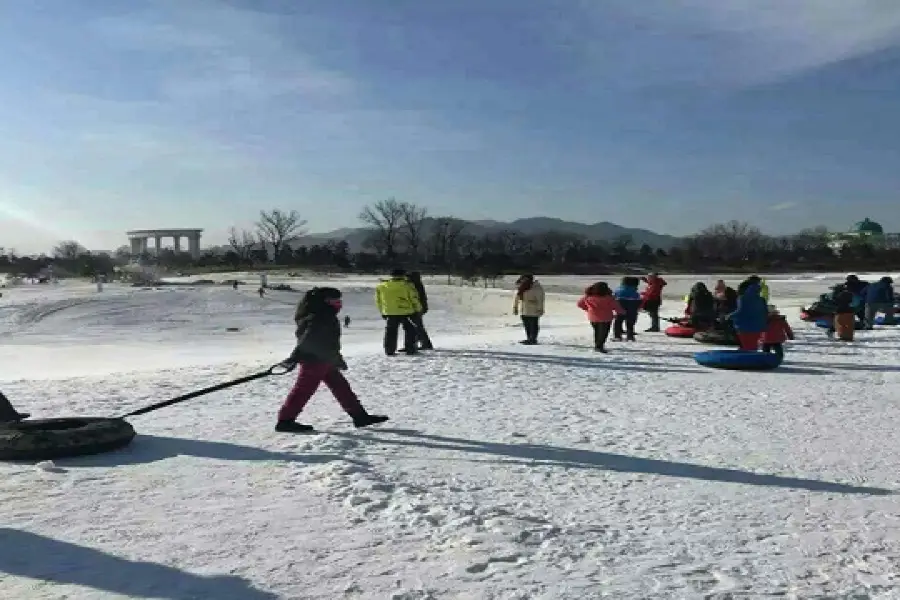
x,y
865,231
867,227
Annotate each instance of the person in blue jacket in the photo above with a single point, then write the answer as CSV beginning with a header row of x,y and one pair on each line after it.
x,y
630,298
880,299
751,317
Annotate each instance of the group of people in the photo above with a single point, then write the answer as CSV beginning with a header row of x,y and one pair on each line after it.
x,y
403,302
744,312
855,303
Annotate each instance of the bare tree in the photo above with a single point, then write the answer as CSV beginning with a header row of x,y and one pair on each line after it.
x,y
556,244
443,238
69,250
385,218
277,228
242,243
413,219
734,241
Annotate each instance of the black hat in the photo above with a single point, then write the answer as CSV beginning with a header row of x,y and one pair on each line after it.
x,y
398,272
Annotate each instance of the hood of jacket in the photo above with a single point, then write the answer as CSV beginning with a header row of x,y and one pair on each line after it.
x,y
627,292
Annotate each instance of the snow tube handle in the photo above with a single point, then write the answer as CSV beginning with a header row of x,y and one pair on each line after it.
x,y
281,368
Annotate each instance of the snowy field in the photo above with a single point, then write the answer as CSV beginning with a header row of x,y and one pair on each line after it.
x,y
506,472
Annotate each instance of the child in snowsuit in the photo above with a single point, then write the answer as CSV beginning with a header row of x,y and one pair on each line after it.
x,y
845,309
778,331
319,360
601,307
750,317
701,307
629,299
529,303
652,296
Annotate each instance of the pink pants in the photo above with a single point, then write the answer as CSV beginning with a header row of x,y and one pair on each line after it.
x,y
309,376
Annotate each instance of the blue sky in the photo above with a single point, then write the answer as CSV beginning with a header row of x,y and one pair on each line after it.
x,y
664,114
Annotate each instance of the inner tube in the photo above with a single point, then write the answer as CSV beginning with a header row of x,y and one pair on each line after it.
x,y
48,439
716,336
680,331
738,360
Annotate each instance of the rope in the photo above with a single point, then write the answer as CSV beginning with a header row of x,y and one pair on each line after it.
x,y
279,369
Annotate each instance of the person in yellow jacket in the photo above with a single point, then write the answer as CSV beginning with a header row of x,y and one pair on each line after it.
x,y
397,300
529,303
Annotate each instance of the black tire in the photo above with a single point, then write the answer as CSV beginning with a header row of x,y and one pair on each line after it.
x,y
719,338
47,439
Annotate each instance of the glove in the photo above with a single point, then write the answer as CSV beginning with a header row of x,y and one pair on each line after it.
x,y
288,364
384,317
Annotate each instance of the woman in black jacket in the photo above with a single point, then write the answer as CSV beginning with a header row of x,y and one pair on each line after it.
x,y
319,360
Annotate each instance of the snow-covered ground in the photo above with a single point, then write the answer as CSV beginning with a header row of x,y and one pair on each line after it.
x,y
506,471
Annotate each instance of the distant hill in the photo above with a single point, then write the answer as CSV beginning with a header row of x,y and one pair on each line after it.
x,y
601,232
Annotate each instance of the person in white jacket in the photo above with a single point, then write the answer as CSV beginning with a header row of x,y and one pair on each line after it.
x,y
529,303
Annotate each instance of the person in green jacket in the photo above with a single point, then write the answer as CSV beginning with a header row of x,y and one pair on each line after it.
x,y
398,302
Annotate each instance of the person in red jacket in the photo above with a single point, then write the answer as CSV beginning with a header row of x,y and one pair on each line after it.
x,y
777,332
652,297
601,308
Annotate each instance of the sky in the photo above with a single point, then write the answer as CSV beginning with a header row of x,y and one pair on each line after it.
x,y
663,114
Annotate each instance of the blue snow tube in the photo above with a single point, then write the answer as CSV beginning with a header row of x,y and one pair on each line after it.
x,y
879,320
738,360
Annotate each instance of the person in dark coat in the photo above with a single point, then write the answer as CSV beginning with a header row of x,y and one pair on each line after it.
x,y
859,288
701,307
318,358
415,278
726,300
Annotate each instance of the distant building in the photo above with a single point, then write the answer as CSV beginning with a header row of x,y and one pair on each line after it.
x,y
867,231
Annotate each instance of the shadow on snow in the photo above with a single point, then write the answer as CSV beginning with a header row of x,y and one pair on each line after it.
x,y
536,454
152,448
26,554
572,361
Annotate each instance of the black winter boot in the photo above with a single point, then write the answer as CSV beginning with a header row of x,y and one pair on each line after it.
x,y
365,419
293,427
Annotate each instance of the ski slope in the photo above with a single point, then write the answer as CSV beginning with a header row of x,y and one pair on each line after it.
x,y
506,472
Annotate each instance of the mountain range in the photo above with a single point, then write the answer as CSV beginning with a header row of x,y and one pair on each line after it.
x,y
600,232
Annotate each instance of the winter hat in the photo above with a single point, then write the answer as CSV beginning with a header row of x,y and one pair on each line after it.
x,y
316,300
398,272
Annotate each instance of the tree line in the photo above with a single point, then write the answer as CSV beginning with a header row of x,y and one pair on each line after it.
x,y
402,233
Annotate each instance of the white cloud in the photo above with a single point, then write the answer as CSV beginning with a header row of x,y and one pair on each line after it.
x,y
735,43
216,51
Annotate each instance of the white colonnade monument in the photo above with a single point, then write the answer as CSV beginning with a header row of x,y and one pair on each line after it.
x,y
140,240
